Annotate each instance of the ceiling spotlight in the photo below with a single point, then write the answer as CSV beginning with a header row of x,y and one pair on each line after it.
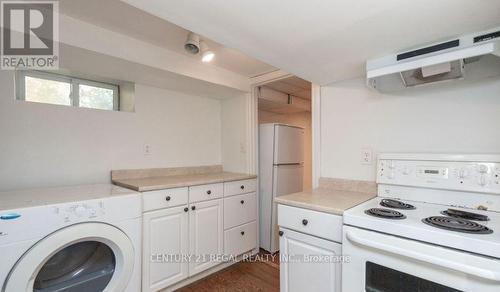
x,y
192,44
207,54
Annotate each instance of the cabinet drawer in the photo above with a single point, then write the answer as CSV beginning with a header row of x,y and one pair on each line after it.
x,y
320,224
164,198
205,192
240,239
240,209
240,187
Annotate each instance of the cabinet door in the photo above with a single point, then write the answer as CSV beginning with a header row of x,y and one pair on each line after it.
x,y
165,233
297,274
206,235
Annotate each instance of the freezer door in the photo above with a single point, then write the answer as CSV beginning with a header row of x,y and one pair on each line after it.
x,y
288,145
287,180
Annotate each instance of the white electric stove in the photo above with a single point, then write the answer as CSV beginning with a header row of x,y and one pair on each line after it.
x,y
435,226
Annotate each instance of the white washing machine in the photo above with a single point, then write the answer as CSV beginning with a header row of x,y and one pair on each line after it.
x,y
72,239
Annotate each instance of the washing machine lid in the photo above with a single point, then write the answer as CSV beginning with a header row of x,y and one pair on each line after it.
x,y
75,258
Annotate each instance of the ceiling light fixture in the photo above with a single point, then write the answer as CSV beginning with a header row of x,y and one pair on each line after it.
x,y
207,54
192,44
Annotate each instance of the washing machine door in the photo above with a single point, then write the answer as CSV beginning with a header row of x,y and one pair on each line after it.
x,y
77,258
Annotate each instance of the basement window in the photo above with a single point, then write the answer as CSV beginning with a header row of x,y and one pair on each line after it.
x,y
50,88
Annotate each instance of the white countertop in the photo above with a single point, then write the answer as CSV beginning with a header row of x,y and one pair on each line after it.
x,y
177,181
325,200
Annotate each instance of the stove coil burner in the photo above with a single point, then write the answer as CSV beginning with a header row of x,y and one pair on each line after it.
x,y
385,213
457,224
464,215
396,204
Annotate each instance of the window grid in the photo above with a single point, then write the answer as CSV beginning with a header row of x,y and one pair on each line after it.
x,y
74,85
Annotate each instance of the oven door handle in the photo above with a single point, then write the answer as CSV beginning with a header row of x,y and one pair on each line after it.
x,y
474,271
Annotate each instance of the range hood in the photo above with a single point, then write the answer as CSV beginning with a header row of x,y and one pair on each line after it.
x,y
438,62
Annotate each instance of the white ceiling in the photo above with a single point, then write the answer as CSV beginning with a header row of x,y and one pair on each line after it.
x,y
292,85
122,18
325,41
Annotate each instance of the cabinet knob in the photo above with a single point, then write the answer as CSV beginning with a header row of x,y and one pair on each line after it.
x,y
209,192
304,222
242,201
242,232
186,209
280,233
167,198
242,187
193,208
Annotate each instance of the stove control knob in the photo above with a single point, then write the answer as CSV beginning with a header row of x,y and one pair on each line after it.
x,y
80,211
392,164
481,168
463,173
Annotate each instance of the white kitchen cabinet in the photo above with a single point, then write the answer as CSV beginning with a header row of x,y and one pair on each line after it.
x,y
240,239
162,199
239,210
297,274
205,234
192,222
240,187
165,232
205,192
320,224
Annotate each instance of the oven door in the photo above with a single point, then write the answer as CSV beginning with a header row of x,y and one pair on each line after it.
x,y
393,264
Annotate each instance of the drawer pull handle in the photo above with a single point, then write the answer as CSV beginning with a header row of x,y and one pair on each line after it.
x,y
242,201
209,192
186,209
242,187
304,222
242,232
167,198
280,233
193,208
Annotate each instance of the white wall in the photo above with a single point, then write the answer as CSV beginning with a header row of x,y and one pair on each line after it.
x,y
47,145
461,116
234,133
302,119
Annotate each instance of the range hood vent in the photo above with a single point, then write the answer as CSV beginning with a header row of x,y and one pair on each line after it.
x,y
438,62
428,50
487,37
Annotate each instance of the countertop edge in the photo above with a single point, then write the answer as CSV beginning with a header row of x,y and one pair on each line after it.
x,y
182,184
307,206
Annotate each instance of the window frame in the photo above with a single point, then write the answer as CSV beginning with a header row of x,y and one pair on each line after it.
x,y
74,83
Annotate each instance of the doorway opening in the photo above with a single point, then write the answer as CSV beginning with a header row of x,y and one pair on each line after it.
x,y
285,148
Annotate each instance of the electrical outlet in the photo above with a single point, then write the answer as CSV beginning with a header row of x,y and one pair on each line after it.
x,y
147,150
366,156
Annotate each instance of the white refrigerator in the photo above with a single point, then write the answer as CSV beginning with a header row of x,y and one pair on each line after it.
x,y
281,168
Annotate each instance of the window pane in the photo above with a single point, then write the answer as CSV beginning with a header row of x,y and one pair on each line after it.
x,y
96,97
47,91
